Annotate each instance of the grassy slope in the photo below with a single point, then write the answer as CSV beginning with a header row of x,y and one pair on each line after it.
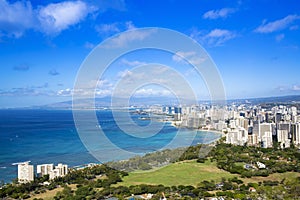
x,y
181,173
49,194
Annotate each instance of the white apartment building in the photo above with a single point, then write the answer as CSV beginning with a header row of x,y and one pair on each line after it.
x,y
282,137
296,134
283,130
44,169
53,171
265,135
220,125
237,136
25,172
252,140
59,171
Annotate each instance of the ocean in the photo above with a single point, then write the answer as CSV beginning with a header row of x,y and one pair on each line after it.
x,y
50,136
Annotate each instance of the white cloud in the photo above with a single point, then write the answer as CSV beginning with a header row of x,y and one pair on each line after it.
x,y
80,92
155,75
129,25
277,25
190,56
51,19
104,85
39,90
107,28
216,37
288,88
97,84
103,93
129,36
125,73
215,14
93,87
16,17
65,92
191,72
178,57
133,63
147,92
59,16
217,33
296,88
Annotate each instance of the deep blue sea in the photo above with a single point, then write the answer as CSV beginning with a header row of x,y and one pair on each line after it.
x,y
50,136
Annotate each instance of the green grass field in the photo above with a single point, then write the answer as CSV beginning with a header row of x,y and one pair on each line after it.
x,y
181,173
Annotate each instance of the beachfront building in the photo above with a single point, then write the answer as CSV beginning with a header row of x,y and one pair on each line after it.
x,y
25,172
44,169
59,171
243,123
53,171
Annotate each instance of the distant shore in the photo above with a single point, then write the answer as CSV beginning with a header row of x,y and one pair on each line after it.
x,y
173,123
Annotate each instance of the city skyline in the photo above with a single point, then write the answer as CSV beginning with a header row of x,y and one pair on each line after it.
x,y
255,45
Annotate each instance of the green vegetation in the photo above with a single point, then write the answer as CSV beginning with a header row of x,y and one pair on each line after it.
x,y
88,178
227,171
233,159
161,158
179,173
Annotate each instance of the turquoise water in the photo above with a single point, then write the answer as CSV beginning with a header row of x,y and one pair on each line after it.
x,y
50,136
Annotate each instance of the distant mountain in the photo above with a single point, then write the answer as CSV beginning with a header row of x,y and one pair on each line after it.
x,y
146,101
107,102
268,100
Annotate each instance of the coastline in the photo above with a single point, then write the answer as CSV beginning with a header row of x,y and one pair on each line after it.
x,y
173,123
71,140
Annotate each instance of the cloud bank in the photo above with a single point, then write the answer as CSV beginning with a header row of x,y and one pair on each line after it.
x,y
51,19
215,37
277,25
215,14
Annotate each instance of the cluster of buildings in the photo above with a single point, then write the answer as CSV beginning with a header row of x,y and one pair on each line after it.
x,y
26,171
243,124
264,127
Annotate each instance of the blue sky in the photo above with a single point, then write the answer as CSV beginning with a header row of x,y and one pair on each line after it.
x,y
255,44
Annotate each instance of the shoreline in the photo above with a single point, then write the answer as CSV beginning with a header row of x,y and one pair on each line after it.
x,y
173,123
8,168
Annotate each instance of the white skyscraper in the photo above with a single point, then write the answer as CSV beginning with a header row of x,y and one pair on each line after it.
x,y
25,172
265,133
59,171
44,169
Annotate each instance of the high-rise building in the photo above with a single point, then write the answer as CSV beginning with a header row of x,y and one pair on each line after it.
x,y
44,169
237,136
59,171
295,133
25,172
278,117
256,128
266,135
283,134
